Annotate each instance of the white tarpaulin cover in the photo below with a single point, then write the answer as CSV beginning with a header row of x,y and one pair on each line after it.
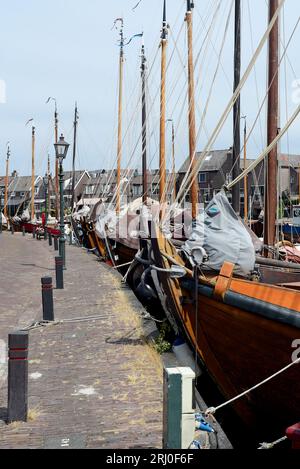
x,y
221,233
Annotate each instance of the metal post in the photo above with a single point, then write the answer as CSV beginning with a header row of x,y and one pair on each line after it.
x,y
59,273
47,298
179,408
62,240
17,377
23,231
12,229
50,239
55,243
33,232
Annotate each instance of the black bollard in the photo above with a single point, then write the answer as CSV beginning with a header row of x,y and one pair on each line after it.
x,y
46,234
33,232
47,298
55,243
59,266
23,231
17,377
50,239
12,228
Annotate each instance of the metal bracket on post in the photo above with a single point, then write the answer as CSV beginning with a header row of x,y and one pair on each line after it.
x,y
178,408
17,377
47,298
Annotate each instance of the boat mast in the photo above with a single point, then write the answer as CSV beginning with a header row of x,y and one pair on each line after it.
x,y
6,183
270,207
144,125
33,173
191,101
119,157
173,161
246,177
236,109
74,156
56,160
162,143
49,192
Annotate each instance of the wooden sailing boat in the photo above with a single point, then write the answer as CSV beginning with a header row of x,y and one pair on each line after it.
x,y
241,329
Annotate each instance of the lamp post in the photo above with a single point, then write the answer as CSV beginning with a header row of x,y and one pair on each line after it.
x,y
45,181
61,150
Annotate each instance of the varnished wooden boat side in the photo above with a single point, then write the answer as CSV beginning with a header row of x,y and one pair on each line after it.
x,y
238,347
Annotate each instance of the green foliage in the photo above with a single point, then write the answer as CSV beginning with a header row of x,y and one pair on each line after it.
x,y
161,344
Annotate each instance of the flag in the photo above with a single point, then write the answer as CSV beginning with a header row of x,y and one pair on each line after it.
x,y
136,5
136,35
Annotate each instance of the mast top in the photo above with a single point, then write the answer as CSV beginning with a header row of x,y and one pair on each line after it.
x,y
121,37
164,32
8,151
190,6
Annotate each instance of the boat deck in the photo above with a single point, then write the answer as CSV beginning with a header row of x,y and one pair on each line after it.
x,y
92,384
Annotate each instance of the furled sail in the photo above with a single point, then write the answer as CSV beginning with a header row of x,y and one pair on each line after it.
x,y
220,235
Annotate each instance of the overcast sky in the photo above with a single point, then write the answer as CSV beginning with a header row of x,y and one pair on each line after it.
x,y
67,49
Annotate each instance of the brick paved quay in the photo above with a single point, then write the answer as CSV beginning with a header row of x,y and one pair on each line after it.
x,y
92,384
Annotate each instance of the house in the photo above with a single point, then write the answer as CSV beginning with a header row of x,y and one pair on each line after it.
x,y
81,179
216,170
19,193
103,184
153,183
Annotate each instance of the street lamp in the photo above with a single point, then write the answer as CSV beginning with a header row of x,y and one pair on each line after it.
x,y
61,150
45,181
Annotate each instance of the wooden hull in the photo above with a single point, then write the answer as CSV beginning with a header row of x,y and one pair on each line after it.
x,y
238,347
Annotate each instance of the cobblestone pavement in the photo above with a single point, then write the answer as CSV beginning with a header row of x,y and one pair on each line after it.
x,y
92,384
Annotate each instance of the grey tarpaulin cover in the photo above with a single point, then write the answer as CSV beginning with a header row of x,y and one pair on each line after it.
x,y
221,233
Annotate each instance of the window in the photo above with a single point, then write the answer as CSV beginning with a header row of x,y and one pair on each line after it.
x,y
155,189
137,190
202,177
89,190
228,178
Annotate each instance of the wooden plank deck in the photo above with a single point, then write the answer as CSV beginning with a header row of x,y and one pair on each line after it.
x,y
92,384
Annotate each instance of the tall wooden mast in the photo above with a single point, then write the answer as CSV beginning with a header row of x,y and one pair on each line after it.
x,y
33,174
162,142
270,206
144,125
49,179
6,183
237,109
119,154
173,179
246,177
173,161
192,120
56,160
74,155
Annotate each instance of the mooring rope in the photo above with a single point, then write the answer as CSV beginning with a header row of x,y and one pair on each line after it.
x,y
213,410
